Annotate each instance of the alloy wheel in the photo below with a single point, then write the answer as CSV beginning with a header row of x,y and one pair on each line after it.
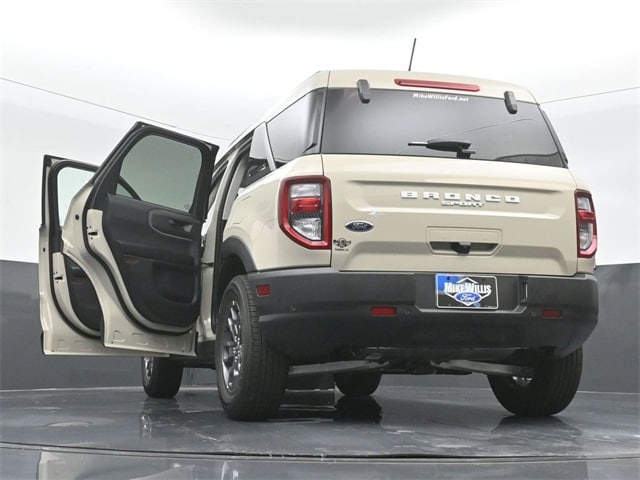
x,y
232,348
148,367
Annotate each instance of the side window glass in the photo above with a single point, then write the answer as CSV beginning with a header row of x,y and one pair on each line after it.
x,y
69,182
125,190
296,131
260,147
260,161
161,171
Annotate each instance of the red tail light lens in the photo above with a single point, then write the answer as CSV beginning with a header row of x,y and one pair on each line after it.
x,y
587,229
305,211
305,205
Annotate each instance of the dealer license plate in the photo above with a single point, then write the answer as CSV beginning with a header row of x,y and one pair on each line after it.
x,y
455,290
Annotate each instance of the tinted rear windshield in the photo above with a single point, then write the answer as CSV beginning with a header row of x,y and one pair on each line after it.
x,y
393,119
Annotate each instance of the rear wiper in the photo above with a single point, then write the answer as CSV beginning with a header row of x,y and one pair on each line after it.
x,y
460,147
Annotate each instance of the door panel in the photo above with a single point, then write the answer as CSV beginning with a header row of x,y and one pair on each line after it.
x,y
83,296
157,252
141,229
77,303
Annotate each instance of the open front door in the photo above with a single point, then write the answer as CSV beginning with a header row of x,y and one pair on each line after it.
x,y
69,309
133,233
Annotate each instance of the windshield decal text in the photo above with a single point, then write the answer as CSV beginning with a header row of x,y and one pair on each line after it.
x,y
440,96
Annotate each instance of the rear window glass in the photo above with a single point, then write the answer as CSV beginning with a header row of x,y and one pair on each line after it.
x,y
393,119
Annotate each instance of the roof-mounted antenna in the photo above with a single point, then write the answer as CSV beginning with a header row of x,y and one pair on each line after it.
x,y
413,49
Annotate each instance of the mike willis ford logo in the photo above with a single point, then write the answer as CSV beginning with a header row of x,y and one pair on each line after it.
x,y
466,291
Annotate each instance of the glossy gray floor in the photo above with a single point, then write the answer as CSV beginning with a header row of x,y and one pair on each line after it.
x,y
400,432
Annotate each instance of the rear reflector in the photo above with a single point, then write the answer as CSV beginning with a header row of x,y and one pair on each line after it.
x,y
263,290
551,313
407,82
383,311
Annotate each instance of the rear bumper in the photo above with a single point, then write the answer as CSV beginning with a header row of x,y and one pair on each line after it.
x,y
318,314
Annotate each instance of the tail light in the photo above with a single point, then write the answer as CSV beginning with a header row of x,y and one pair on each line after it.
x,y
587,230
305,211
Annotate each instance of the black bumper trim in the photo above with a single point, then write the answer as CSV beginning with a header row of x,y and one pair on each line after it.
x,y
312,314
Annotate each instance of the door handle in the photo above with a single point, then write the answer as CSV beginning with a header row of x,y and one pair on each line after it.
x,y
182,225
170,223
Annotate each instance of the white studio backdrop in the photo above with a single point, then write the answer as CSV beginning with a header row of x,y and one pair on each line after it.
x,y
76,75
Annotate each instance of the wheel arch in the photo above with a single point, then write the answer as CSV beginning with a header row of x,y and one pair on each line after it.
x,y
235,259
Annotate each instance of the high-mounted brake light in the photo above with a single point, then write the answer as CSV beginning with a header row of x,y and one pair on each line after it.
x,y
305,211
586,226
408,82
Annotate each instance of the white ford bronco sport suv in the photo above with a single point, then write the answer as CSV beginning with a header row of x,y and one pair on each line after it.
x,y
375,222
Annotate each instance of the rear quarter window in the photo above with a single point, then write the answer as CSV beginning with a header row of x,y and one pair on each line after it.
x,y
296,130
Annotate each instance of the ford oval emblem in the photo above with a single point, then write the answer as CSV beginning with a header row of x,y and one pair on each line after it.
x,y
468,298
359,226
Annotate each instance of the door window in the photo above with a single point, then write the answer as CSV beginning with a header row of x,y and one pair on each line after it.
x,y
161,171
69,182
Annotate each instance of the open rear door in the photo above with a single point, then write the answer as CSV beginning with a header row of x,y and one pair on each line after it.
x,y
122,274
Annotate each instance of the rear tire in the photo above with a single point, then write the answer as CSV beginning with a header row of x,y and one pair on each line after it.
x,y
358,384
161,376
550,390
251,375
